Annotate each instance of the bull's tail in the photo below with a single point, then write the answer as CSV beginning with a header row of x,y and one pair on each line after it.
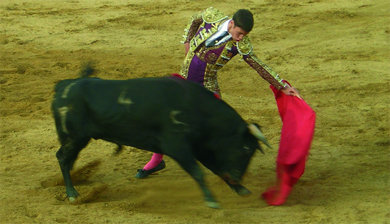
x,y
87,70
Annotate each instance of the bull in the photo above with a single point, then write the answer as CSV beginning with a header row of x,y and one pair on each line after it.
x,y
165,115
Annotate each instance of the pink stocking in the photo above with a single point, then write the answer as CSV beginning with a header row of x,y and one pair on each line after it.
x,y
154,161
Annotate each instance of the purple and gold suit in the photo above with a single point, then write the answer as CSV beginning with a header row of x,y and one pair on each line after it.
x,y
202,63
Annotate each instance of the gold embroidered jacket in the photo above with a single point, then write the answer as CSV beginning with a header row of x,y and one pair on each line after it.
x,y
201,64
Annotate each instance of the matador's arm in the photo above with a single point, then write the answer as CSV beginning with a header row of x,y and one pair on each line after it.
x,y
192,27
246,50
264,71
210,15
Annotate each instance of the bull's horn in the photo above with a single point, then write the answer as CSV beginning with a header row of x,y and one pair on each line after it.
x,y
255,131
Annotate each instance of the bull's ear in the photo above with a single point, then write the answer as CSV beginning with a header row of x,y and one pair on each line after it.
x,y
255,131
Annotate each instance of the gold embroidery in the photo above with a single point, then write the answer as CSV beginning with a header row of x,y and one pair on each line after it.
x,y
226,55
211,58
192,27
244,46
206,55
210,79
191,31
212,15
264,71
186,64
214,63
201,37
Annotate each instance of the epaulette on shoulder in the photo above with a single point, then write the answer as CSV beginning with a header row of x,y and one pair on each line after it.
x,y
244,46
213,15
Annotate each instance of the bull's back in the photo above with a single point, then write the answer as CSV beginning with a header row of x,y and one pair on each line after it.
x,y
141,108
134,97
147,103
131,112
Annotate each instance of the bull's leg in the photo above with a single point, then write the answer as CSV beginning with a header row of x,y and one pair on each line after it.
x,y
189,164
238,188
66,156
180,151
209,162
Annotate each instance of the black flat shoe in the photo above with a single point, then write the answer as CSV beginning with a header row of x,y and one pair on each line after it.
x,y
144,173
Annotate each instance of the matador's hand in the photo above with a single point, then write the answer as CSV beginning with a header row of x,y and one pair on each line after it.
x,y
288,90
186,47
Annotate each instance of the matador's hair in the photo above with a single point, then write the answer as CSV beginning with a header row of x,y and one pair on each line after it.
x,y
243,18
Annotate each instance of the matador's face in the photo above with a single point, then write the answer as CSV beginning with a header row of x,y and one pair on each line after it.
x,y
237,32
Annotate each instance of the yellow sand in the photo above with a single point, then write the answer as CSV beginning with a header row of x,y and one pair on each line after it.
x,y
336,53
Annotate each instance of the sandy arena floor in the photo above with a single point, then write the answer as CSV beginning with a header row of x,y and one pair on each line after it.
x,y
337,53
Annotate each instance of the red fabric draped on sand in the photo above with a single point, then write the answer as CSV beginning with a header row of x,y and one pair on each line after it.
x,y
296,136
297,130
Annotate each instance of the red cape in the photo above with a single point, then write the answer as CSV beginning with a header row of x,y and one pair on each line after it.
x,y
297,130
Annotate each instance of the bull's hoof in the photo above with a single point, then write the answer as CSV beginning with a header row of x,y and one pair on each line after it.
x,y
243,191
72,195
213,204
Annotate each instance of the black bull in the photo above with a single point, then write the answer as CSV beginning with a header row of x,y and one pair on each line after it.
x,y
164,115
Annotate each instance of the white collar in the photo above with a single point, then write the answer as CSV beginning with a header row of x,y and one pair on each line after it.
x,y
225,25
221,29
